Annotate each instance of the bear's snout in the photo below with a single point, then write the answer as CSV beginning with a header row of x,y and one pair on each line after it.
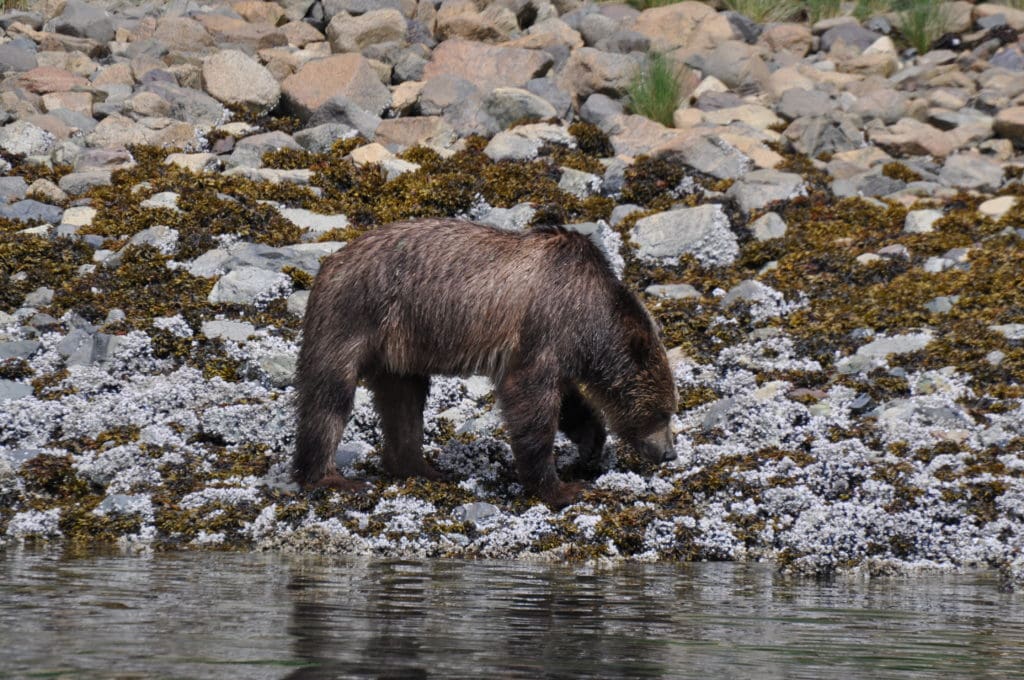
x,y
658,447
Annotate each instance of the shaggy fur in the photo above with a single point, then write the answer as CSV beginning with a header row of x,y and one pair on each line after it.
x,y
540,313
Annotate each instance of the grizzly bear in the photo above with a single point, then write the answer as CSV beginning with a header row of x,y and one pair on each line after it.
x,y
539,312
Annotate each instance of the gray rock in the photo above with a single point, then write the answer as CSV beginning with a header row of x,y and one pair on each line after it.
x,y
515,218
510,104
357,7
972,171
851,34
475,512
704,232
30,210
870,183
768,226
712,156
237,331
297,301
159,236
757,189
247,285
12,189
595,27
799,103
548,89
878,24
674,291
305,256
895,344
84,20
40,297
18,349
280,368
621,212
315,223
921,221
83,347
578,183
509,146
11,390
460,103
601,110
76,183
624,41
341,110
248,152
321,138
941,304
1010,58
189,105
825,134
235,78
1010,331
15,58
22,137
735,63
120,503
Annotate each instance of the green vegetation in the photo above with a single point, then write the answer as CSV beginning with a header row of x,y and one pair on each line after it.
x,y
765,11
922,22
822,9
657,89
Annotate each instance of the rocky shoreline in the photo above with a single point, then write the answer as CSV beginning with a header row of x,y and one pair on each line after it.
x,y
830,234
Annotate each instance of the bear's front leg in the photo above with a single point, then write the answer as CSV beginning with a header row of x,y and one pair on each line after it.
x,y
583,426
530,401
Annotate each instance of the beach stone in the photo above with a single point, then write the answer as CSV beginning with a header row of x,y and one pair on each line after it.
x,y
510,146
912,137
793,38
181,33
704,231
312,222
971,170
349,33
921,221
22,137
78,216
18,349
241,33
686,26
189,104
768,226
578,183
16,58
510,104
280,368
673,291
342,110
30,210
297,301
84,20
1009,123
13,189
486,66
709,154
735,63
799,103
246,284
45,79
350,75
237,331
997,207
460,19
475,512
77,183
11,390
194,162
825,134
401,133
233,77
758,188
321,138
850,33
1010,331
590,71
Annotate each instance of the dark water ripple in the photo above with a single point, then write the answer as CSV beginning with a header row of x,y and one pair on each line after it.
x,y
210,615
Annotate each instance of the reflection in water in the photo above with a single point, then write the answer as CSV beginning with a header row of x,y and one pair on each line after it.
x,y
209,615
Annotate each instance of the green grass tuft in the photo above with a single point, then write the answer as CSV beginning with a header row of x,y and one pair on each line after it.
x,y
766,11
922,22
822,9
657,89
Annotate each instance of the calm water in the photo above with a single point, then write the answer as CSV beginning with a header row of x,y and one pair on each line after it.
x,y
209,615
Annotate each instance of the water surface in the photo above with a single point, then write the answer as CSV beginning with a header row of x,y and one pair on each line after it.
x,y
227,615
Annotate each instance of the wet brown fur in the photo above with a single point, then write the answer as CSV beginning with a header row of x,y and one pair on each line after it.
x,y
540,313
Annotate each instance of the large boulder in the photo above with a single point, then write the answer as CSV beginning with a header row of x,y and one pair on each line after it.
x,y
352,34
589,71
233,77
487,66
703,232
351,75
689,27
84,20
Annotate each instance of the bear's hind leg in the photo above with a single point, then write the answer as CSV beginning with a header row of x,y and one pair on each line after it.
x,y
324,406
583,426
530,404
399,401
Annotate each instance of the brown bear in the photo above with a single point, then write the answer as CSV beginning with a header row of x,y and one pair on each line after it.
x,y
539,312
